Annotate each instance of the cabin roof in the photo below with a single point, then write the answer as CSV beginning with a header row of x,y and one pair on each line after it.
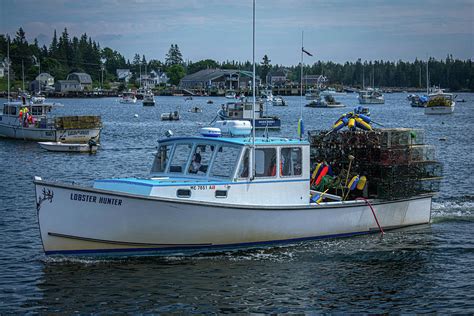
x,y
239,141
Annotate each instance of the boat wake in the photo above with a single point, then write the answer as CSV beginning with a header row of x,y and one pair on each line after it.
x,y
454,209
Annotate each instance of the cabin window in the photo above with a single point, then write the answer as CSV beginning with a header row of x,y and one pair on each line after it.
x,y
265,162
36,110
161,158
180,158
244,165
225,161
291,161
201,158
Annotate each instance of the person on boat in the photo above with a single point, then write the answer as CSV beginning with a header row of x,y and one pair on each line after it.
x,y
196,164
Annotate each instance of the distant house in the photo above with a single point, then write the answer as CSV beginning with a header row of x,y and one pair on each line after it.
x,y
84,79
314,80
45,79
231,79
276,78
124,75
68,86
2,71
154,78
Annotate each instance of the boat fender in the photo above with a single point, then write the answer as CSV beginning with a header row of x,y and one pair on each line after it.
x,y
323,172
351,123
362,183
315,198
353,183
315,172
364,117
360,123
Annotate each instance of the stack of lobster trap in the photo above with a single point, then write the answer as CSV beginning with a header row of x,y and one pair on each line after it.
x,y
396,162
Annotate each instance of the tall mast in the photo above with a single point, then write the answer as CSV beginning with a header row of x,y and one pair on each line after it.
x,y
23,76
301,89
427,76
363,77
253,94
8,67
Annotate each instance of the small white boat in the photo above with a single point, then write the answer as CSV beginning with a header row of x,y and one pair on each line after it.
x,y
128,98
171,116
371,96
91,147
148,99
311,94
278,101
230,94
195,109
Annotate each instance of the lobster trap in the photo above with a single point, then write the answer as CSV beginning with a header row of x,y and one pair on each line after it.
x,y
395,161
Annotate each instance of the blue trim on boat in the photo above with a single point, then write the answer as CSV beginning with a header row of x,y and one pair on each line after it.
x,y
198,249
239,141
156,183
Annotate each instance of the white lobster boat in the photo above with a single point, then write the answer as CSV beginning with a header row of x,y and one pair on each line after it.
x,y
201,197
43,126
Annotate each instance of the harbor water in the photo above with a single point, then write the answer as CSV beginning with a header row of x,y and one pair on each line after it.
x,y
417,270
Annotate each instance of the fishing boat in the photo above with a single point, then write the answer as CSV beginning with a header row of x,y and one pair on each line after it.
x,y
244,110
128,98
417,101
234,128
327,102
440,103
207,194
148,99
201,197
371,96
90,147
34,121
278,101
266,95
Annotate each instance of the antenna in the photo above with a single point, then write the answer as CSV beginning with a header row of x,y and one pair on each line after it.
x,y
8,67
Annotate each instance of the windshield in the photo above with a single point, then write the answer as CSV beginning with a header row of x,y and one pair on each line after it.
x,y
225,162
161,158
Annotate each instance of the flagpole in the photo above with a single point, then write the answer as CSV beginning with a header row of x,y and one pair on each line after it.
x,y
8,65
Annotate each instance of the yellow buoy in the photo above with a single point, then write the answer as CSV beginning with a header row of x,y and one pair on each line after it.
x,y
351,123
362,183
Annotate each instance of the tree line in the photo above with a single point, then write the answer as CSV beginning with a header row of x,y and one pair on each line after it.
x,y
82,54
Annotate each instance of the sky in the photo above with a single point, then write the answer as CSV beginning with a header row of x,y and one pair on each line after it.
x,y
333,30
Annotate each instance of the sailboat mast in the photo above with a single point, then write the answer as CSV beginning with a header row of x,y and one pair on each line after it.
x,y
253,93
427,76
8,67
23,76
363,77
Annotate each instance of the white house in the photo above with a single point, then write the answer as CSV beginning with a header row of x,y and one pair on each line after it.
x,y
124,75
45,79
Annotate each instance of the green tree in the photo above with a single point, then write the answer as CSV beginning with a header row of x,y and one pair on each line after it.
x,y
175,73
265,68
174,56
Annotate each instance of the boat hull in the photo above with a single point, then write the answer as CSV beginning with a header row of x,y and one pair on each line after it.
x,y
76,220
371,101
434,110
62,147
47,134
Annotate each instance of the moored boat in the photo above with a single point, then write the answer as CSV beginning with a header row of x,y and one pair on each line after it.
x,y
440,103
90,147
278,101
148,99
371,96
128,98
33,121
243,110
